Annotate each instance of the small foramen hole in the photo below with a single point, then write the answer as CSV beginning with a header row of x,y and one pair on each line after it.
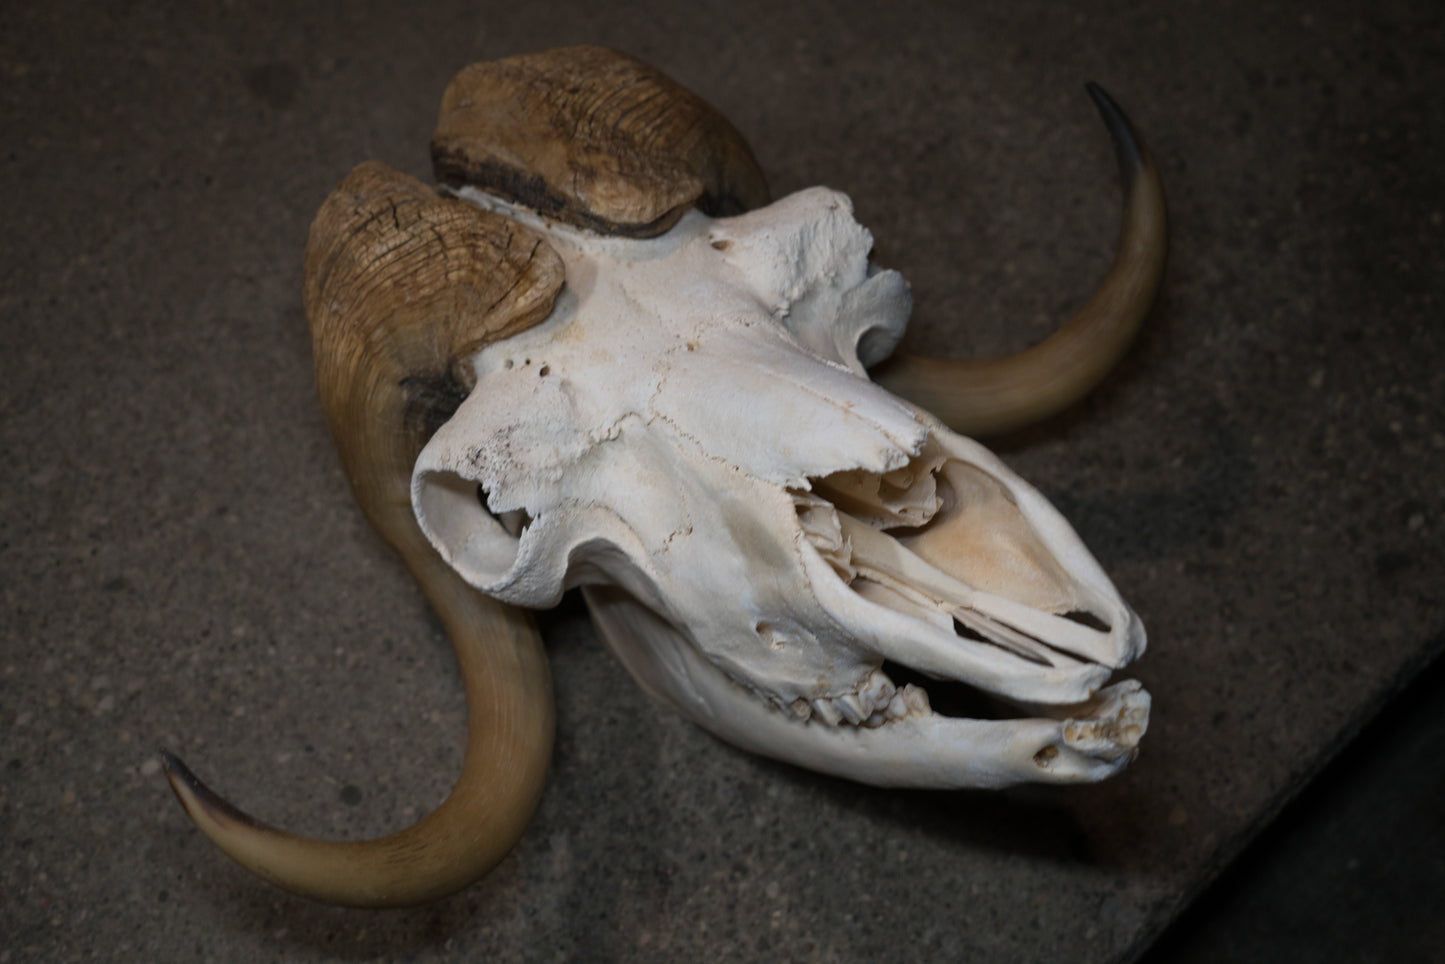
x,y
1046,756
544,371
722,244
776,641
508,364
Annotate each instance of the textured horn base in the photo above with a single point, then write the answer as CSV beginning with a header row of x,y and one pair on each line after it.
x,y
639,148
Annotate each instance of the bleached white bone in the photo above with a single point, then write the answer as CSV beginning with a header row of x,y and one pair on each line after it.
x,y
758,527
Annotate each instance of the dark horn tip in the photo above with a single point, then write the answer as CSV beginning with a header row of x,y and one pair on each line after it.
x,y
1127,146
192,793
176,769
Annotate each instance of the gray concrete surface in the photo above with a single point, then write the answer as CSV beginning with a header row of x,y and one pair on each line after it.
x,y
1352,870
181,565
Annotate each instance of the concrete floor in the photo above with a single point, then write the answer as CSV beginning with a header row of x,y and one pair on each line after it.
x,y
1352,870
181,566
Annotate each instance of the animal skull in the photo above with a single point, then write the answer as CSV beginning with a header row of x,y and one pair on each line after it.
x,y
686,429
691,436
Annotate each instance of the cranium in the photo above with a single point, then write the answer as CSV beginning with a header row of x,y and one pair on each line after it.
x,y
600,358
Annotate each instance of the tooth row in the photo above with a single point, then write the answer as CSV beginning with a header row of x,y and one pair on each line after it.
x,y
876,702
909,701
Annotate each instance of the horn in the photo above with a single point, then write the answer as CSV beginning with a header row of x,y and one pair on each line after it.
x,y
991,397
593,138
401,286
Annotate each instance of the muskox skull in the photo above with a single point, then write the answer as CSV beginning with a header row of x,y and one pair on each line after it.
x,y
604,360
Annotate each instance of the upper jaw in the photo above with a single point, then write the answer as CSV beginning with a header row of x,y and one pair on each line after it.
x,y
956,568
1042,644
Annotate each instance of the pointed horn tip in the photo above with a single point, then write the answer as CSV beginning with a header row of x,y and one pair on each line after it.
x,y
1128,145
201,803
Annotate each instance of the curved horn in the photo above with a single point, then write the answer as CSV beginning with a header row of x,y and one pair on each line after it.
x,y
594,138
999,395
401,285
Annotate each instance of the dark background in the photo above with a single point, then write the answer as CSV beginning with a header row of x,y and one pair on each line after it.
x,y
181,565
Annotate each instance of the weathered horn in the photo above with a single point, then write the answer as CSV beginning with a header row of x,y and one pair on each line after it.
x,y
594,138
401,286
991,397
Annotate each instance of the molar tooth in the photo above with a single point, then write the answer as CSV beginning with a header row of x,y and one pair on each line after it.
x,y
915,698
852,708
827,712
877,690
801,709
902,703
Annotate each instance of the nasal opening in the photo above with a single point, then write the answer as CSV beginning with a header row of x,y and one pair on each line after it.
x,y
946,542
453,511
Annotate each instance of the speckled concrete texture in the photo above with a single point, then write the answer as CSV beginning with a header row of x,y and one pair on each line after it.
x,y
181,565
